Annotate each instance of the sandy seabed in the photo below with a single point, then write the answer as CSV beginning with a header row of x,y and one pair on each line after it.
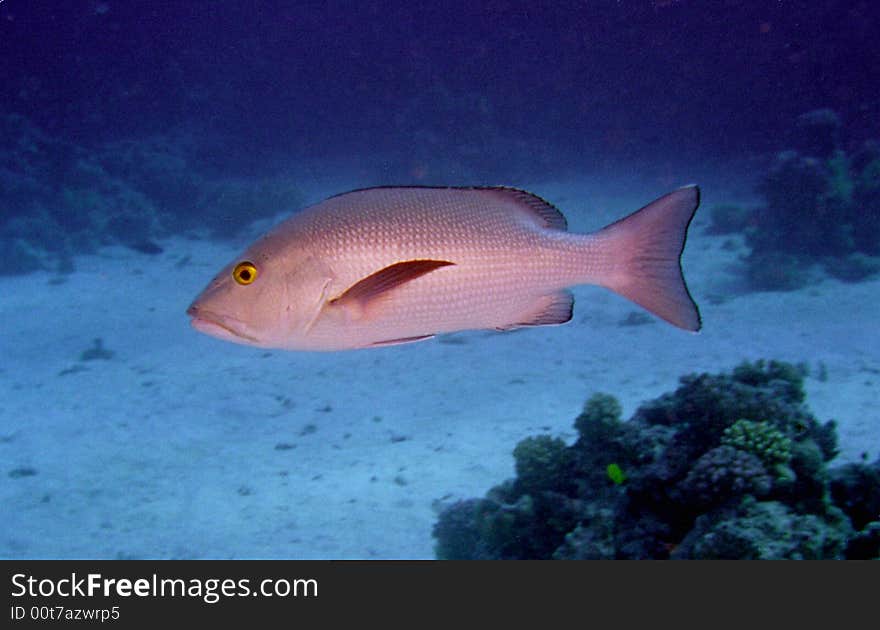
x,y
183,446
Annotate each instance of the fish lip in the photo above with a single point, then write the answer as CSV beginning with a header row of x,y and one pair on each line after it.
x,y
200,317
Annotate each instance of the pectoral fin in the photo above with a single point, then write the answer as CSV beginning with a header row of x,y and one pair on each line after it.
x,y
378,285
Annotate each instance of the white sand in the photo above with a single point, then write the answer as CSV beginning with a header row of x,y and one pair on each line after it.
x,y
184,446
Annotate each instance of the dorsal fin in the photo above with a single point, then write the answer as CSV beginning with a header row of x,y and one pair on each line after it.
x,y
381,282
547,214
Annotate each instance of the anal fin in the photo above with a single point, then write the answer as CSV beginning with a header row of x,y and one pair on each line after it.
x,y
547,310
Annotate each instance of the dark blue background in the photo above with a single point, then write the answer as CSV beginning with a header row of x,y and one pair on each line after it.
x,y
566,85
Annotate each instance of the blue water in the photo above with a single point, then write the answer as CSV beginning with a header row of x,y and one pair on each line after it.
x,y
144,144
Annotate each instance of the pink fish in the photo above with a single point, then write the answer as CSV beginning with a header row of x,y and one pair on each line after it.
x,y
392,265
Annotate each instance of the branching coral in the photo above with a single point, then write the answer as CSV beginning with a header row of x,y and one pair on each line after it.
x,y
761,439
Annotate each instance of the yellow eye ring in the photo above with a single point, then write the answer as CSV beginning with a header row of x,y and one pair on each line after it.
x,y
245,272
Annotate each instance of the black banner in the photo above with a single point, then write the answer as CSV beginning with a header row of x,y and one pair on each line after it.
x,y
129,593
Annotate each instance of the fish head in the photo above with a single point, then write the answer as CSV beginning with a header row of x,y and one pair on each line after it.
x,y
263,300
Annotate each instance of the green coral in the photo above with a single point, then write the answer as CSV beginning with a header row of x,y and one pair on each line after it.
x,y
761,439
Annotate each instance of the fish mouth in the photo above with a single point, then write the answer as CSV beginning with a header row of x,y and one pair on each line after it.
x,y
219,326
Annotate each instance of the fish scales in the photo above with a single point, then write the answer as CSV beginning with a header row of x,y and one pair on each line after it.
x,y
497,261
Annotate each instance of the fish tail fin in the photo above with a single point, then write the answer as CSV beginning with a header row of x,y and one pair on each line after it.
x,y
646,247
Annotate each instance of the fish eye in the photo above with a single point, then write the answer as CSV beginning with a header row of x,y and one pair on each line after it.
x,y
245,272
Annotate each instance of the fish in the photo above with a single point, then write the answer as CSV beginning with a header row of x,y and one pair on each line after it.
x,y
391,265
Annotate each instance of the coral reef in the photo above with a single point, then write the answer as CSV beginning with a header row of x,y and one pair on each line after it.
x,y
58,199
730,465
822,207
728,219
818,133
